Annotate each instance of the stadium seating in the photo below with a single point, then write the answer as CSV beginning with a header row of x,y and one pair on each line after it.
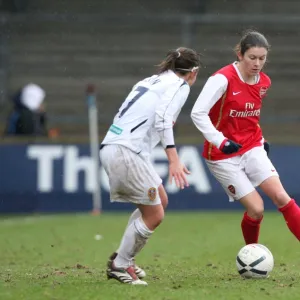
x,y
72,47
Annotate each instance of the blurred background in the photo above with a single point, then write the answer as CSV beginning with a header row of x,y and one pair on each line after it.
x,y
53,49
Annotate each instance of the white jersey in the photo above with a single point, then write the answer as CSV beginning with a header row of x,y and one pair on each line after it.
x,y
148,113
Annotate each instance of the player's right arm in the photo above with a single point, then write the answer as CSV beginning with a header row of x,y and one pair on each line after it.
x,y
212,91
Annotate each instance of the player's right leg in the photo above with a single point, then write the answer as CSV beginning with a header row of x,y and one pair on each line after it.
x,y
134,239
230,173
140,272
252,217
163,196
136,214
132,179
137,269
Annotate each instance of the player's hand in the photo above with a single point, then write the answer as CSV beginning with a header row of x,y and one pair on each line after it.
x,y
177,171
267,147
230,147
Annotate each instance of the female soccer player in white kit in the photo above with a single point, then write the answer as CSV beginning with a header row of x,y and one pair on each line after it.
x,y
146,117
227,112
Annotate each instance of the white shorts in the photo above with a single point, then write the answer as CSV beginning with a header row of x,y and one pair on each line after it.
x,y
132,178
240,175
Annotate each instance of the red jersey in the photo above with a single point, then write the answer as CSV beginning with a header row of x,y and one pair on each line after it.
x,y
236,114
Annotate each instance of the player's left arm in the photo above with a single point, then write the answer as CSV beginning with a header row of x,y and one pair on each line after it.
x,y
167,112
266,143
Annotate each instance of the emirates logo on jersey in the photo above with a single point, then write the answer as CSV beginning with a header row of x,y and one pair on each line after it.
x,y
263,91
244,113
248,112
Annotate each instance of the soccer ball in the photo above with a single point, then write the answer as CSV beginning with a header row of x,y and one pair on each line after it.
x,y
254,261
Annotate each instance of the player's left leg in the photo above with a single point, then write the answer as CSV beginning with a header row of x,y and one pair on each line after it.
x,y
262,173
273,188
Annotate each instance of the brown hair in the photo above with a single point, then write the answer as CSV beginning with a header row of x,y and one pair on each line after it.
x,y
181,60
250,39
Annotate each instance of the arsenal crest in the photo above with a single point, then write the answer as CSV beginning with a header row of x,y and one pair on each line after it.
x,y
263,91
231,189
152,193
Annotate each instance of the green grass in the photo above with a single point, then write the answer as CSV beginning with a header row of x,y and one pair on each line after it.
x,y
191,256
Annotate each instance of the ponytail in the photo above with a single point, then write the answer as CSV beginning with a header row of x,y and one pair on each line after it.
x,y
181,60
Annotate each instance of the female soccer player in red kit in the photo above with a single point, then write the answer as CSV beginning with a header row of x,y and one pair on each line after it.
x,y
227,112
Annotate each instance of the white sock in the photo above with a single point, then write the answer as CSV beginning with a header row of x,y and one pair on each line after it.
x,y
136,214
133,241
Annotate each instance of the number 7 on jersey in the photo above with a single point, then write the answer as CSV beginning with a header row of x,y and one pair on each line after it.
x,y
132,98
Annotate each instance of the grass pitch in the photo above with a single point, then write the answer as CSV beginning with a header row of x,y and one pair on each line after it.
x,y
191,256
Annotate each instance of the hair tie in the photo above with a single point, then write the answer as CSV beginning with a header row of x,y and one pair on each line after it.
x,y
178,54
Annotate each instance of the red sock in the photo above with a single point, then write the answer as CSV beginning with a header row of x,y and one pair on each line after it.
x,y
250,228
291,213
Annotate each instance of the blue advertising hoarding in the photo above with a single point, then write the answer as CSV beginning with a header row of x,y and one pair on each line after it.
x,y
59,178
